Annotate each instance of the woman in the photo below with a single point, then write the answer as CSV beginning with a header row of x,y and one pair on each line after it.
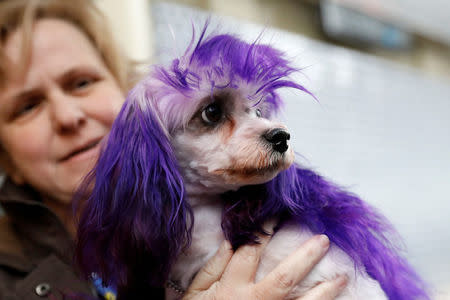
x,y
62,82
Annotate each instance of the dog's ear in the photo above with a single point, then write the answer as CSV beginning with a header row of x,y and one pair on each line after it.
x,y
134,218
351,224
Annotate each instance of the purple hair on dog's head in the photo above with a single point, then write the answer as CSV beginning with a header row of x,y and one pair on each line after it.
x,y
214,64
136,220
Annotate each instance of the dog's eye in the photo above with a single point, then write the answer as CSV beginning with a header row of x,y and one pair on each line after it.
x,y
212,113
258,113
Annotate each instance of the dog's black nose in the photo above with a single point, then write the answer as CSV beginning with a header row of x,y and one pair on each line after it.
x,y
278,137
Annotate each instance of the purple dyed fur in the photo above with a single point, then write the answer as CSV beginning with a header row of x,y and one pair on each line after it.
x,y
135,221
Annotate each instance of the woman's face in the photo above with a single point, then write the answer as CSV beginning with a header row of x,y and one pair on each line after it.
x,y
53,117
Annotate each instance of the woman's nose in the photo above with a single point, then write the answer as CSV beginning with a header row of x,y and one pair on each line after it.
x,y
66,113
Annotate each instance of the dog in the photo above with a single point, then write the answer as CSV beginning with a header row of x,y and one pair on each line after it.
x,y
196,156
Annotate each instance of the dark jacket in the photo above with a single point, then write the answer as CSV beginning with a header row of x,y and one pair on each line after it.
x,y
35,250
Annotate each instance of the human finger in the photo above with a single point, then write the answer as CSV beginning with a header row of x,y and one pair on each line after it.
x,y
213,269
327,290
243,265
278,283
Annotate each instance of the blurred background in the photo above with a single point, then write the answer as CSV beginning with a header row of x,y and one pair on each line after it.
x,y
381,72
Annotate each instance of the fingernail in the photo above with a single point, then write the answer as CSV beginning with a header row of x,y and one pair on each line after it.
x,y
269,227
342,281
225,246
324,241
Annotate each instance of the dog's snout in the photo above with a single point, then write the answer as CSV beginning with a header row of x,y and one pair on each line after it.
x,y
278,138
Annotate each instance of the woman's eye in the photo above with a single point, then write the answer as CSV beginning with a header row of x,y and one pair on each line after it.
x,y
212,113
79,83
258,113
28,106
82,83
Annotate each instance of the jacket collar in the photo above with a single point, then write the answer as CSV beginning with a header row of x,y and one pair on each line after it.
x,y
38,229
12,193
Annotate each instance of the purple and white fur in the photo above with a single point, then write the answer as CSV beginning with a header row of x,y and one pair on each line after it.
x,y
195,157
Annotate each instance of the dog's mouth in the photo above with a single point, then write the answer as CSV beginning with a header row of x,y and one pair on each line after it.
x,y
249,171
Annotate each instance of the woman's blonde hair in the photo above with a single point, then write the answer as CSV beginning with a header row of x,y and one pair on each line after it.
x,y
83,14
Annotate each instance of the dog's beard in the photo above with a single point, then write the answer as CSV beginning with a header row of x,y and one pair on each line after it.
x,y
259,171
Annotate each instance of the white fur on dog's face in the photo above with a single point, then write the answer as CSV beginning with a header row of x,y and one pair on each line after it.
x,y
229,151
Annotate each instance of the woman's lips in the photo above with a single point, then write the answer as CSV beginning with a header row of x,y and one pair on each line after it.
x,y
83,152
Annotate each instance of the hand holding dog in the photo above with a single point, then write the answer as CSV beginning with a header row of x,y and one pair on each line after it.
x,y
229,275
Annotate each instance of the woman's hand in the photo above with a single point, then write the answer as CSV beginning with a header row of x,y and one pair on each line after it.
x,y
231,276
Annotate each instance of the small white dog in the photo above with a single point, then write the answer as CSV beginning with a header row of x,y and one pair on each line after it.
x,y
195,158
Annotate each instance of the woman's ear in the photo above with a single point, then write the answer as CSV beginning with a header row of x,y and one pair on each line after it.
x,y
7,166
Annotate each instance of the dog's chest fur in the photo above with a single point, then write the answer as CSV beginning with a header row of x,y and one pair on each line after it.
x,y
207,237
